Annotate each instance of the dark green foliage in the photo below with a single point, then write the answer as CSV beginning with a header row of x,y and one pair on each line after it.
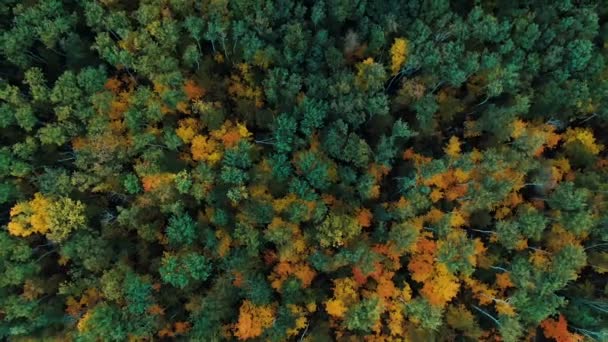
x,y
182,229
182,270
317,170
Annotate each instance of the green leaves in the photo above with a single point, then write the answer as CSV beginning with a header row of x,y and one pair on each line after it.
x,y
363,316
567,197
337,230
182,270
165,162
182,229
138,294
427,316
65,216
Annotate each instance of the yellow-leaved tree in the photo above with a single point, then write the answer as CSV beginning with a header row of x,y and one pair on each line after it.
x,y
56,218
253,320
399,52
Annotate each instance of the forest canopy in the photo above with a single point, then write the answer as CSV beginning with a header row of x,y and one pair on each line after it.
x,y
331,170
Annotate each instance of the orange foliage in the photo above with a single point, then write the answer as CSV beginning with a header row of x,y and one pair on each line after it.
x,y
503,281
230,134
358,276
113,85
559,330
551,139
193,91
386,288
361,278
386,250
378,171
421,263
181,327
364,217
75,307
418,159
456,191
155,181
231,138
156,310
299,270
178,328
433,216
224,242
205,149
305,273
238,279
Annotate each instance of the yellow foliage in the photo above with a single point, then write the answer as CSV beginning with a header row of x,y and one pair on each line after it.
x,y
452,149
335,308
82,323
243,85
504,308
442,287
345,294
482,292
396,320
585,137
518,127
436,195
560,168
406,292
476,156
187,129
457,219
281,204
300,319
253,320
461,175
539,259
560,238
30,217
399,52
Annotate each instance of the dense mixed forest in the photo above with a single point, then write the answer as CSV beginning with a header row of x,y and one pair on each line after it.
x,y
332,170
